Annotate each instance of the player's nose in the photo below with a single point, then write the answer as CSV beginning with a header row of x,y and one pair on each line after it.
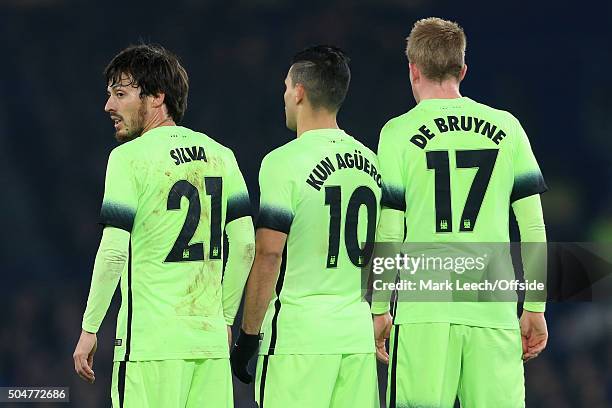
x,y
110,105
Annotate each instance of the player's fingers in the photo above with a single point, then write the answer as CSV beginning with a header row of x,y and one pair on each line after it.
x,y
531,355
525,344
87,371
81,370
85,366
79,358
82,375
534,351
382,355
387,331
381,351
538,348
86,377
528,355
537,341
77,365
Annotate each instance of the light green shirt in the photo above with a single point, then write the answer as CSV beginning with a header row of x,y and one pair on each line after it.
x,y
174,190
323,190
454,166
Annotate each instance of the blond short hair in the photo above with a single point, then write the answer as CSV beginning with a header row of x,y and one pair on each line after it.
x,y
437,47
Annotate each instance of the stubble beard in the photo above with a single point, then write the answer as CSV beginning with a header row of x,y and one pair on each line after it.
x,y
136,128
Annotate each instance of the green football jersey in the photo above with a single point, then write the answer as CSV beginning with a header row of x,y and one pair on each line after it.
x,y
322,189
454,166
174,189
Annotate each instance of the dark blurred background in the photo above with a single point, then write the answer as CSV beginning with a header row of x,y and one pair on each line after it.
x,y
547,63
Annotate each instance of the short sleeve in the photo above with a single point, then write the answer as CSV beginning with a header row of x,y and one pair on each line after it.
x,y
120,193
276,208
391,168
528,179
238,202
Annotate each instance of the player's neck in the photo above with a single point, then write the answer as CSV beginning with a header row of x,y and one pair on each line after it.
x,y
158,119
434,90
312,120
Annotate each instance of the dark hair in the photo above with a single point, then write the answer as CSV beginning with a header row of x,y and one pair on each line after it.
x,y
324,72
155,70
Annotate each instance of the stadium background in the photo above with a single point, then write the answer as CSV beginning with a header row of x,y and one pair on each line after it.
x,y
546,63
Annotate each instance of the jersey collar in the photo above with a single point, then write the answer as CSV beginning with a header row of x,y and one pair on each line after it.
x,y
326,133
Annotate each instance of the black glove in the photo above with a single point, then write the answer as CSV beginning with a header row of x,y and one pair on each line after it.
x,y
246,346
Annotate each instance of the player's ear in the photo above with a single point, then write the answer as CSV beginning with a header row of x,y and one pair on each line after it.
x,y
158,100
415,74
462,72
299,93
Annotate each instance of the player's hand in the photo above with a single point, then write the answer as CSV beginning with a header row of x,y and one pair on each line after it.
x,y
229,337
246,346
534,334
83,356
382,330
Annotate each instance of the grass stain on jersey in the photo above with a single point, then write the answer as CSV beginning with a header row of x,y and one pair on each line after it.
x,y
202,295
249,254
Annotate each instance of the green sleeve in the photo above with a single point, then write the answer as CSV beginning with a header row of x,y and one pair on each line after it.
x,y
241,239
528,179
276,186
390,229
238,202
530,219
120,193
390,226
390,159
109,263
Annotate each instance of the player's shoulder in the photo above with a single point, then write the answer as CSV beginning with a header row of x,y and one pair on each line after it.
x,y
210,144
362,148
496,114
393,129
217,153
397,126
281,154
124,151
399,121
